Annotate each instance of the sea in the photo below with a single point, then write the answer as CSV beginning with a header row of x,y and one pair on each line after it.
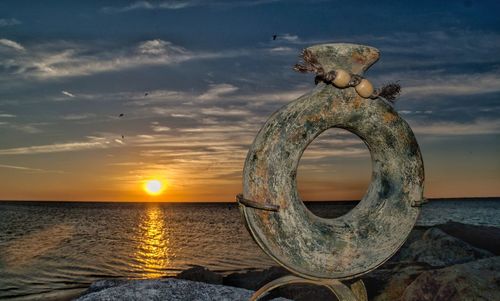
x,y
55,250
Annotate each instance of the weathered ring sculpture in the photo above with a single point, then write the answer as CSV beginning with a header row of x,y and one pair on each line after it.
x,y
364,238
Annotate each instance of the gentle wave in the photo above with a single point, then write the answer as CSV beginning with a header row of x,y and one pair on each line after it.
x,y
56,249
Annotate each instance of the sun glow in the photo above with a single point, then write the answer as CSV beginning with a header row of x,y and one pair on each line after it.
x,y
154,187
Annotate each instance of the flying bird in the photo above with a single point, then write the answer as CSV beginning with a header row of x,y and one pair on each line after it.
x,y
275,36
121,115
146,94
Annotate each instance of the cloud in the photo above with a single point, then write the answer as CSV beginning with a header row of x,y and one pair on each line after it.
x,y
64,59
159,47
92,143
27,128
225,112
434,49
3,115
29,169
345,152
9,22
158,128
433,84
67,93
30,128
179,4
407,112
289,37
61,59
281,49
146,5
11,44
78,116
218,90
477,127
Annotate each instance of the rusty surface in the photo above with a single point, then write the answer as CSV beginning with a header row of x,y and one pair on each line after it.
x,y
364,238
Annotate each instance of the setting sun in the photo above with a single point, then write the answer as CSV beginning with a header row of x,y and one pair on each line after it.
x,y
153,187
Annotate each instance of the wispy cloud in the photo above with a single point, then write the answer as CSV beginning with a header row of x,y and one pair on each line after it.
x,y
91,143
5,22
29,169
58,59
442,84
147,5
180,4
63,59
432,49
477,127
27,128
289,37
11,44
156,127
78,116
281,49
30,128
345,152
218,90
159,47
67,93
225,112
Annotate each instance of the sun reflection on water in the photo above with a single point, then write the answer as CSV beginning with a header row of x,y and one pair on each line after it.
x,y
153,253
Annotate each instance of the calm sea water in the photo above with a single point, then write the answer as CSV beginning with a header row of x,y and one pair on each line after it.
x,y
52,250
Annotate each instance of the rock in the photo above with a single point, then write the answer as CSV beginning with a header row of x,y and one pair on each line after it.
x,y
440,249
104,284
166,289
483,237
477,280
253,280
200,274
393,282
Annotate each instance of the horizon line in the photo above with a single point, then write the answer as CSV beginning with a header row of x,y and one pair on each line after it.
x,y
228,202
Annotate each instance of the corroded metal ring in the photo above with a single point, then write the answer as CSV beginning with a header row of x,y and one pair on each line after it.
x,y
355,243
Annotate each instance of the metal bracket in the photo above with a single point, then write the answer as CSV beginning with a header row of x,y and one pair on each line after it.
x,y
420,203
252,204
356,291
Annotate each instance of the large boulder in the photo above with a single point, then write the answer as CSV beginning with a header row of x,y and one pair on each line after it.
x,y
477,280
439,249
483,237
200,274
164,289
389,284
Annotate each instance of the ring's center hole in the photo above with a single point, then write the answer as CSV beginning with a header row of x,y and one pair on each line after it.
x,y
334,173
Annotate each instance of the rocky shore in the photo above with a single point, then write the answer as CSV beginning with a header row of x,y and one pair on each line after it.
x,y
452,261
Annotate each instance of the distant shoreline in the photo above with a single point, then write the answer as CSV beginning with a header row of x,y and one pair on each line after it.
x,y
339,202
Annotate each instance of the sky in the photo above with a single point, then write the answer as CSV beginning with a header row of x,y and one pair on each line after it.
x,y
196,80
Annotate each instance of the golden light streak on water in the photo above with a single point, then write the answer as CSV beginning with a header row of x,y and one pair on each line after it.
x,y
153,253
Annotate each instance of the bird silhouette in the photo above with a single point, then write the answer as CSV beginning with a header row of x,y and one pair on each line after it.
x,y
275,36
121,115
146,94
